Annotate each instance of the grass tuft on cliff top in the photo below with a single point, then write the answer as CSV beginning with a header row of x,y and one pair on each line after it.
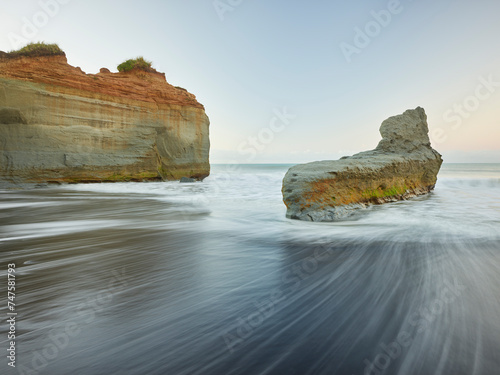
x,y
38,49
137,63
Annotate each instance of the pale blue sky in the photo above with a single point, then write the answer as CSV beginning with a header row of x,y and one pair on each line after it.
x,y
252,59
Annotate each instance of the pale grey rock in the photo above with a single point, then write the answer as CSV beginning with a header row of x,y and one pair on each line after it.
x,y
46,135
403,165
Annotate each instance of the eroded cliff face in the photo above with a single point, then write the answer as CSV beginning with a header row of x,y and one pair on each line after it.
x,y
403,165
59,124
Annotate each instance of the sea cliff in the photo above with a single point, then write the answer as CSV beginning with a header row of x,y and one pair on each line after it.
x,y
403,165
58,124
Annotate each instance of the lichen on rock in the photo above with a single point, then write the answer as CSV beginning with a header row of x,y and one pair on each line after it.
x,y
403,165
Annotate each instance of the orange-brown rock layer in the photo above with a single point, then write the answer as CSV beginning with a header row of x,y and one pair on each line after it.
x,y
59,75
60,124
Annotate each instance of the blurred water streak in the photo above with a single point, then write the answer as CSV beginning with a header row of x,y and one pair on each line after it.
x,y
210,278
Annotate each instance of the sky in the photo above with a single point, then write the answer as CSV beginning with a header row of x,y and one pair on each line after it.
x,y
295,81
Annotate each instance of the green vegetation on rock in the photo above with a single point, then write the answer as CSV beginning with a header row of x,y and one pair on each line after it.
x,y
387,192
142,176
137,63
38,49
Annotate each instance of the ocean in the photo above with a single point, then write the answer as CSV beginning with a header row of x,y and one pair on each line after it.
x,y
211,278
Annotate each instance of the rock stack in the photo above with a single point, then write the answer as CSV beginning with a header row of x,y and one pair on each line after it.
x,y
403,165
59,124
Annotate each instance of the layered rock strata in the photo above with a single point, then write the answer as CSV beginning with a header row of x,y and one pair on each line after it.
x,y
59,124
403,165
